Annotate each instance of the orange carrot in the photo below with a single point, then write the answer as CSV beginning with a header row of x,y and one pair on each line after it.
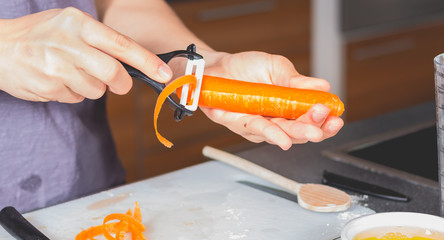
x,y
263,99
247,97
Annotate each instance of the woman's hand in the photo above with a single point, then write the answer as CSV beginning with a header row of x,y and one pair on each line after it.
x,y
314,126
65,55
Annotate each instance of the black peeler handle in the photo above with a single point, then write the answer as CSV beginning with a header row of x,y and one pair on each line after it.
x,y
179,110
16,225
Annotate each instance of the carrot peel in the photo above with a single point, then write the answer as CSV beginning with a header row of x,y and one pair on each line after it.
x,y
135,225
179,82
137,214
128,222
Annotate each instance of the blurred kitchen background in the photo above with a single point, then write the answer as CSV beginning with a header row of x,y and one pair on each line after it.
x,y
377,55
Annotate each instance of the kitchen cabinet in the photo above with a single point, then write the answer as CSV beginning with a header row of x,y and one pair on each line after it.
x,y
392,71
377,55
275,26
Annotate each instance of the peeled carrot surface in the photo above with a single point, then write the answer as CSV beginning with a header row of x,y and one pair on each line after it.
x,y
263,99
127,223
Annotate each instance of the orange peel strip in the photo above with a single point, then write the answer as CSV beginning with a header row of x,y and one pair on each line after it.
x,y
179,82
138,236
137,214
89,233
129,212
92,232
121,230
133,223
129,222
108,236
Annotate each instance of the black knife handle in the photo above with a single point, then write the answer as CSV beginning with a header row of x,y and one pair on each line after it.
x,y
16,225
362,187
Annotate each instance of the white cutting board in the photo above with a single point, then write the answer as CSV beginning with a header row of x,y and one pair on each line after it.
x,y
199,202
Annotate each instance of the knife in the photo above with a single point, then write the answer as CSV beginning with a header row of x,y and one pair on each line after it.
x,y
362,187
270,190
18,227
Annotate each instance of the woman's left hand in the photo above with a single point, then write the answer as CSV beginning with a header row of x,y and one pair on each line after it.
x,y
314,126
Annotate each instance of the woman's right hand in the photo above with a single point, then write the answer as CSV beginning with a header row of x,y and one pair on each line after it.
x,y
66,55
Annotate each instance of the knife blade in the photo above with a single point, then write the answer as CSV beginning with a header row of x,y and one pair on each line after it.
x,y
18,227
270,190
339,181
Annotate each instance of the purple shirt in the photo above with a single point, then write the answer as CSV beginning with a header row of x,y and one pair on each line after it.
x,y
53,152
19,8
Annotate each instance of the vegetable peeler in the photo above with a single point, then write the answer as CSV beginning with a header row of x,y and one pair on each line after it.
x,y
195,65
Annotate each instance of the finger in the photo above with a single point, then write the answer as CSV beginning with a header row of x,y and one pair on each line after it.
x,y
104,68
259,139
69,97
56,92
86,85
125,49
316,115
253,128
257,125
41,88
53,88
254,138
332,126
298,131
30,96
304,82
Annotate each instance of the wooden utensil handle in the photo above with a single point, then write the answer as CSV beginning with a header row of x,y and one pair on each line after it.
x,y
251,168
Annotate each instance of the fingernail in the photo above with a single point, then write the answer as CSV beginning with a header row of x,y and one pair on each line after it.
x,y
165,72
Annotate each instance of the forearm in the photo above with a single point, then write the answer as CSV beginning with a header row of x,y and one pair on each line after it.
x,y
152,23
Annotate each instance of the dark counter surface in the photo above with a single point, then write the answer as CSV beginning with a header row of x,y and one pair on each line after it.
x,y
305,163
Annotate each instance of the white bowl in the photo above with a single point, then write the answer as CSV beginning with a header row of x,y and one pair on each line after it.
x,y
392,219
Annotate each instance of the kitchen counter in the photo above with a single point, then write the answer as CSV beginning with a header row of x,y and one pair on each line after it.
x,y
206,201
306,163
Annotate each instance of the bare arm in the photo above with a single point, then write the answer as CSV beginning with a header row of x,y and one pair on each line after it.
x,y
151,23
